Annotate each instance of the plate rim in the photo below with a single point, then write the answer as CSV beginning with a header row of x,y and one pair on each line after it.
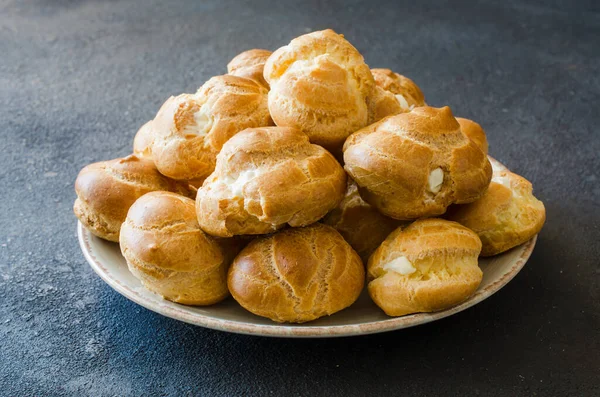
x,y
178,312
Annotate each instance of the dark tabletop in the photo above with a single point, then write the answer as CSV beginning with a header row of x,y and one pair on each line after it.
x,y
77,78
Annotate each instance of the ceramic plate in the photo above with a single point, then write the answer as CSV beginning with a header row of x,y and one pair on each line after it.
x,y
363,317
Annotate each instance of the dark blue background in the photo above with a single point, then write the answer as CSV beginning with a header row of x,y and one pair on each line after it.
x,y
77,78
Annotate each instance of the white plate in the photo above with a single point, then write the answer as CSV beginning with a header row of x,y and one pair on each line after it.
x,y
363,317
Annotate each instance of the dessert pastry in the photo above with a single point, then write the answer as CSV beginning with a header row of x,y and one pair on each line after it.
x,y
506,216
416,164
250,64
266,178
382,104
407,93
190,129
320,85
142,143
361,225
166,250
431,265
474,132
297,275
107,189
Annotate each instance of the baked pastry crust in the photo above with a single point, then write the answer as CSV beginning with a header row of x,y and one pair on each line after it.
x,y
416,164
105,191
381,104
266,178
474,132
361,225
166,250
250,64
142,143
190,129
297,275
320,85
507,215
430,265
407,92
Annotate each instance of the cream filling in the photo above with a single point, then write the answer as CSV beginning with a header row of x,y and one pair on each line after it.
x,y
203,122
403,102
400,265
435,181
237,185
505,181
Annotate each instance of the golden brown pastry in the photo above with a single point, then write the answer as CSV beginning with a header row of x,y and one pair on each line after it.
x,y
431,265
297,275
416,164
190,129
382,104
361,225
250,64
320,84
474,132
166,250
266,178
407,93
506,216
107,189
142,143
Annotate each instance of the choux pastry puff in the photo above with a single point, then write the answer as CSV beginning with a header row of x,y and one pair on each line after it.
x,y
190,129
320,85
105,191
266,178
428,266
297,275
405,91
361,225
142,143
416,164
507,215
250,64
166,250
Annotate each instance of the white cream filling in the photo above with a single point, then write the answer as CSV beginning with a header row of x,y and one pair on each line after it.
x,y
400,265
435,181
505,181
202,122
237,185
403,102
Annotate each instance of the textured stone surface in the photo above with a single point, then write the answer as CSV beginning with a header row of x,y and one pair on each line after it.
x,y
77,78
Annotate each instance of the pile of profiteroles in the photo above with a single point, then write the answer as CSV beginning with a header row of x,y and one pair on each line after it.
x,y
288,181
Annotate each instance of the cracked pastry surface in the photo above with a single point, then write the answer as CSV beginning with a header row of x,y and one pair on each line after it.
x,y
297,275
430,265
250,64
266,178
166,250
190,129
474,132
105,191
407,93
507,215
416,164
320,85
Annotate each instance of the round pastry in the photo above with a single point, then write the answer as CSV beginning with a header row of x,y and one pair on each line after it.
x,y
320,84
431,265
506,216
416,164
190,129
407,93
361,225
266,178
474,132
166,250
382,104
297,275
250,64
107,189
142,143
